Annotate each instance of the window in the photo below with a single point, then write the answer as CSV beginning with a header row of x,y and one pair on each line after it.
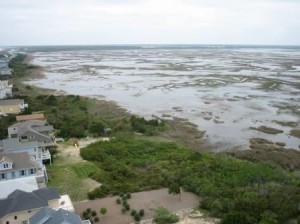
x,y
32,171
22,172
7,222
24,137
3,175
5,165
16,217
13,135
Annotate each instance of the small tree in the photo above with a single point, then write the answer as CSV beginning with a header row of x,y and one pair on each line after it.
x,y
103,211
164,216
94,213
137,217
174,189
133,212
141,212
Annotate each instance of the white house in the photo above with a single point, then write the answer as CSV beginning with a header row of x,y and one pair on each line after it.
x,y
16,165
34,149
33,130
5,89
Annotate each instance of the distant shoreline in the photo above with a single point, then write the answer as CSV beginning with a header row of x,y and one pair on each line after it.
x,y
181,130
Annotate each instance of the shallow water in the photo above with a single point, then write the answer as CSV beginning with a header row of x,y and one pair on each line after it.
x,y
223,91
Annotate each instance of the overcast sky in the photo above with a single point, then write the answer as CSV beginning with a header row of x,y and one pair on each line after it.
x,y
55,22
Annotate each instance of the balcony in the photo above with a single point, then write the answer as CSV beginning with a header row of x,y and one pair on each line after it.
x,y
46,155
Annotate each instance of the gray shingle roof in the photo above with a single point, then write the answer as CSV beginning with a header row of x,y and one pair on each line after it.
x,y
50,216
20,160
30,123
47,193
11,102
15,144
22,201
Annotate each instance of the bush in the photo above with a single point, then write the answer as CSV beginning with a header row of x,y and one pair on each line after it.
x,y
128,195
164,216
118,201
96,219
142,212
238,218
127,207
86,214
88,210
133,212
94,213
137,217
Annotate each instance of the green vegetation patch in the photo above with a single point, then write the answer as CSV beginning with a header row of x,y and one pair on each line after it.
x,y
71,179
75,116
225,184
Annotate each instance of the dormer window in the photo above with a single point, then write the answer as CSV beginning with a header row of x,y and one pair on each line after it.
x,y
5,166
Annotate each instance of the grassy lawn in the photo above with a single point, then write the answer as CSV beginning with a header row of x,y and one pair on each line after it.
x,y
72,179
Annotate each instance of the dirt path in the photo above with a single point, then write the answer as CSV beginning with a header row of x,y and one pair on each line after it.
x,y
71,154
147,200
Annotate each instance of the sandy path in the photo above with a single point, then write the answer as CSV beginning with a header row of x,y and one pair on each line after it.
x,y
147,200
71,154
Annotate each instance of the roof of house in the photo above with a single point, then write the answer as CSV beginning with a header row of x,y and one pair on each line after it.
x,y
20,200
29,117
50,216
27,184
31,123
36,131
11,102
15,144
20,160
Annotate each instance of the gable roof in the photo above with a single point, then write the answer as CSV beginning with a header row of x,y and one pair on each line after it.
x,y
29,123
27,184
20,200
15,144
11,102
20,160
50,216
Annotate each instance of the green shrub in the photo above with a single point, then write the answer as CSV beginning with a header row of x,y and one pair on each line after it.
x,y
133,212
137,217
141,212
164,216
93,213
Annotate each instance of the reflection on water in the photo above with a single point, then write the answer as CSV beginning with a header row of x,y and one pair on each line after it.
x,y
223,91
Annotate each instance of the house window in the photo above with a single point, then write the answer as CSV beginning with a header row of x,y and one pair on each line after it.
x,y
32,171
13,135
2,175
24,137
13,175
22,172
16,217
7,222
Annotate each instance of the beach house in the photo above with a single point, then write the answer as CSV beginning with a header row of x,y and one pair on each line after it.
x,y
12,106
5,89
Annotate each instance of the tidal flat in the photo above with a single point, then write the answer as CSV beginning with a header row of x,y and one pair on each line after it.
x,y
228,93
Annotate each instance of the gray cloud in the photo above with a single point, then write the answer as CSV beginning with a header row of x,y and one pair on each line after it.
x,y
36,22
